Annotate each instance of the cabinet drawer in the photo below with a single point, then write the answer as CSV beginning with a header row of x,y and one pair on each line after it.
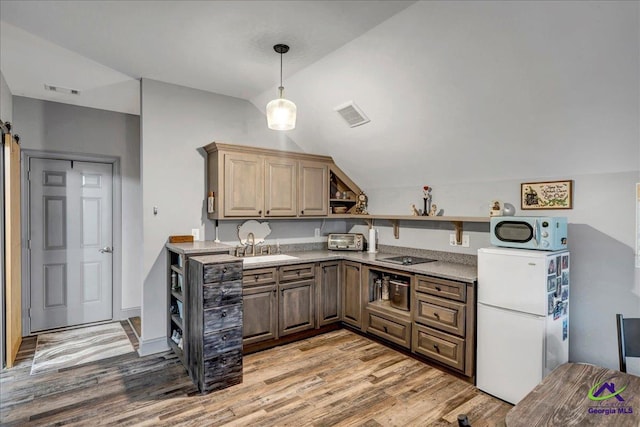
x,y
442,288
439,346
391,329
440,313
223,370
228,316
259,276
296,272
218,294
222,341
213,273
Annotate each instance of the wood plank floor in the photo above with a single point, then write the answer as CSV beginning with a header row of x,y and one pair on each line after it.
x,y
339,378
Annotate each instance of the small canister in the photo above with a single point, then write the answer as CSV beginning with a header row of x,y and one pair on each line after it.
x,y
385,288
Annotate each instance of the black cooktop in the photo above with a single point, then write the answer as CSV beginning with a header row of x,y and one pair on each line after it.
x,y
407,260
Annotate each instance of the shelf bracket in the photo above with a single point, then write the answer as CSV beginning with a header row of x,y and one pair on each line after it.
x,y
369,223
458,226
396,228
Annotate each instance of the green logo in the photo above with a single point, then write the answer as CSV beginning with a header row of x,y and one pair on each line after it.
x,y
610,387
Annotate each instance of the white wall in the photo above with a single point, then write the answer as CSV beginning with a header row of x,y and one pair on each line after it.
x,y
6,102
474,98
51,126
176,121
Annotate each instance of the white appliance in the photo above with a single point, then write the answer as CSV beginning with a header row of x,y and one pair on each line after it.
x,y
523,319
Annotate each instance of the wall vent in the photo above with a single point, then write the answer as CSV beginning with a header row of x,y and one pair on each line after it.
x,y
352,114
59,89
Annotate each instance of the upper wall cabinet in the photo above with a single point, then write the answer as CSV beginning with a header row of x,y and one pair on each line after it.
x,y
314,188
251,182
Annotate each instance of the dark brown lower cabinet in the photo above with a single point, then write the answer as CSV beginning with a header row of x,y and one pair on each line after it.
x,y
296,311
351,294
329,303
215,321
260,313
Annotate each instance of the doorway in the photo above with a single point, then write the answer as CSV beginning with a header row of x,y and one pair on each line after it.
x,y
68,208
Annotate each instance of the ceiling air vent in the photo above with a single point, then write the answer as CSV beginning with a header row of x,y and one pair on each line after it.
x,y
352,114
60,89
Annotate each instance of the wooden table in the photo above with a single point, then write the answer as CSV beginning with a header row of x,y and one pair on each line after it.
x,y
562,399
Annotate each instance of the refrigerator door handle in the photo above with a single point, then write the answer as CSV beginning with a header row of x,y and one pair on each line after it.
x,y
523,313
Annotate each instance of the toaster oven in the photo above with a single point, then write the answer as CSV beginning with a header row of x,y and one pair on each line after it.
x,y
345,242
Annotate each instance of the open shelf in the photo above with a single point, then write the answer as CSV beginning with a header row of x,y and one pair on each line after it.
x,y
385,306
177,320
178,296
177,269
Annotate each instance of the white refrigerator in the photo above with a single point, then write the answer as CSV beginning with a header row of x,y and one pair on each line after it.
x,y
523,319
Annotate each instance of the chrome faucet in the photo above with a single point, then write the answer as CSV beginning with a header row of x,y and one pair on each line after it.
x,y
253,243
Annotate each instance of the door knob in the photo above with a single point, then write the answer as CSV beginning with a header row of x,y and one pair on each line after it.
x,y
106,249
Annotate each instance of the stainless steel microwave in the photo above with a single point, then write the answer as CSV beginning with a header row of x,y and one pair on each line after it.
x,y
345,242
532,232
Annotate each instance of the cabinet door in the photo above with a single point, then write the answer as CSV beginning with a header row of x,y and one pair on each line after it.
x,y
329,294
260,321
314,188
352,294
281,186
296,307
244,184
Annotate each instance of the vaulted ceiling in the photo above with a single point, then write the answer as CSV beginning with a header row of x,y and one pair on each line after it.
x,y
457,92
102,47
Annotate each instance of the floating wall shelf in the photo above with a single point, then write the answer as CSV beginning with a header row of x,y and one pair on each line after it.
x,y
457,221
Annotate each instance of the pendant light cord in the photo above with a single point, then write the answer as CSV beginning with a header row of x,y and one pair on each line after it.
x,y
280,69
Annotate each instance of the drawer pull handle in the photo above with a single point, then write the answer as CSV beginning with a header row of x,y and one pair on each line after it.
x,y
256,277
223,314
298,273
224,270
224,337
275,292
437,316
259,212
438,289
223,362
268,212
385,328
436,347
302,212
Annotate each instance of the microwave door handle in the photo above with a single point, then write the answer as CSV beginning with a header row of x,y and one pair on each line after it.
x,y
535,232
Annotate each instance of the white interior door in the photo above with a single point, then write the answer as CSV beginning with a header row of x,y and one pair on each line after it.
x,y
70,219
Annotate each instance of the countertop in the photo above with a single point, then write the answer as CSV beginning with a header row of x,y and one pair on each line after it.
x,y
443,269
199,247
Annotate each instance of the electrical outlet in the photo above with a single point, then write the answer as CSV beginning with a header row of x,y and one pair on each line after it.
x,y
452,239
317,232
195,232
465,240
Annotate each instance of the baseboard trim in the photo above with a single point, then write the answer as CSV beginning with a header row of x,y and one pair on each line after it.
x,y
126,313
156,345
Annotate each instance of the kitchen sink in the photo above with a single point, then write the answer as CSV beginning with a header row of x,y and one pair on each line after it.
x,y
266,258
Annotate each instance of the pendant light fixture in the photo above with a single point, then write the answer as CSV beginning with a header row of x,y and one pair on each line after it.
x,y
281,113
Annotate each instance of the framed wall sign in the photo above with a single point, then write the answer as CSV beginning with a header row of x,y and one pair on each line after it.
x,y
547,195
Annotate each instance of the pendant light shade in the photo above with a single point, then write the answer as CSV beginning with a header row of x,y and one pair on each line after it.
x,y
281,113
